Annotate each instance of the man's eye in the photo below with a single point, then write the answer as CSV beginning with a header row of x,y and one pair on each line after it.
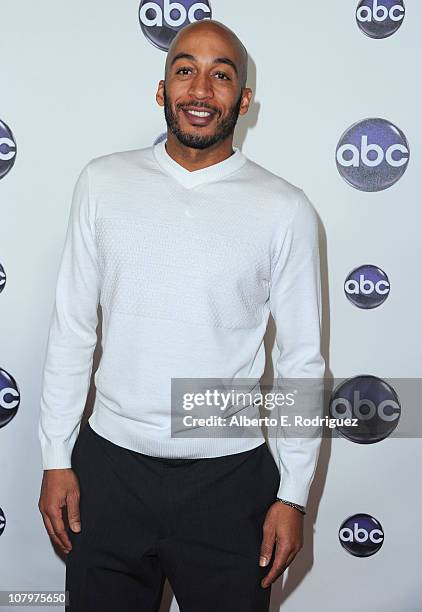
x,y
182,70
222,74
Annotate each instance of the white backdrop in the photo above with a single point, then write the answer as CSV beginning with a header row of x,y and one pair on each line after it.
x,y
79,81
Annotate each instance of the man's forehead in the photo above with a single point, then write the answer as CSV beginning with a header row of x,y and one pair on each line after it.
x,y
203,42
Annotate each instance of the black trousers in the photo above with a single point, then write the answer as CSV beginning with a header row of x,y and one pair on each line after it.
x,y
197,522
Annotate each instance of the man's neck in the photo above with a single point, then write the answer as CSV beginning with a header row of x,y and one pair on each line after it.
x,y
196,159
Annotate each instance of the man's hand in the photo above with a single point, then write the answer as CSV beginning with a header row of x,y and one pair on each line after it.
x,y
283,526
60,489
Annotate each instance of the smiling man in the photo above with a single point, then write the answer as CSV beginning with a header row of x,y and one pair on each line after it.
x,y
188,246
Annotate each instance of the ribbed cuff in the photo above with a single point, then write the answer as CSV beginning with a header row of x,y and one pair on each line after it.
x,y
56,456
293,492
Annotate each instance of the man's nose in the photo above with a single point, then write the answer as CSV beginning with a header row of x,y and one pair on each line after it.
x,y
201,87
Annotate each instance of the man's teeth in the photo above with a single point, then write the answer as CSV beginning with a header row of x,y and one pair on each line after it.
x,y
199,113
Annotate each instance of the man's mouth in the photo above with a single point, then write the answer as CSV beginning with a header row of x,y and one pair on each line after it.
x,y
198,117
199,113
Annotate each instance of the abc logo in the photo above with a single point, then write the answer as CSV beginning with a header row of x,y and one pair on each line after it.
x,y
9,397
372,155
379,18
2,278
361,535
161,19
2,521
371,401
367,286
7,149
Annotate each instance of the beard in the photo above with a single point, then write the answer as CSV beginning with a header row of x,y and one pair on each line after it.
x,y
224,129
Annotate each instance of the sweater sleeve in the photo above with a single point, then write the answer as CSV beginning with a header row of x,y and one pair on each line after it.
x,y
295,304
72,334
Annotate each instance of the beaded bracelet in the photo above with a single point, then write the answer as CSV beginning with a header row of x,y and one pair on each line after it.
x,y
300,508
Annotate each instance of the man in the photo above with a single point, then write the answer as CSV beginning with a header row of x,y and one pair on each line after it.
x,y
188,246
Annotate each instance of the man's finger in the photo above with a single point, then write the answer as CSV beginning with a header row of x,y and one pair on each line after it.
x,y
55,516
73,515
282,559
50,531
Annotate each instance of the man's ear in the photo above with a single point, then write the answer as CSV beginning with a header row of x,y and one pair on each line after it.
x,y
246,100
159,96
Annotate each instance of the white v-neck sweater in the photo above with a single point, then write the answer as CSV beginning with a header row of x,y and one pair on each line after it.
x,y
187,267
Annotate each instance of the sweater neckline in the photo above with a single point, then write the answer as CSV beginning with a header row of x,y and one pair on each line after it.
x,y
194,178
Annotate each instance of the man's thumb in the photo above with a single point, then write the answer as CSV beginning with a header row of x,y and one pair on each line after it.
x,y
73,513
266,549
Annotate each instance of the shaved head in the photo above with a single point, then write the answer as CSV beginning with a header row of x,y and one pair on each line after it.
x,y
212,28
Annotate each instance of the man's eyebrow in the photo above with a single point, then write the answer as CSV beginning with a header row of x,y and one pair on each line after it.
x,y
217,60
182,56
226,60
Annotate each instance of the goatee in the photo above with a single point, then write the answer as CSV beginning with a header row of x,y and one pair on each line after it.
x,y
224,129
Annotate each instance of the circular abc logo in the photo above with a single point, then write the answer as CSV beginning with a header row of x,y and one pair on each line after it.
x,y
379,18
2,521
9,397
161,19
7,149
367,286
2,278
372,154
361,535
372,406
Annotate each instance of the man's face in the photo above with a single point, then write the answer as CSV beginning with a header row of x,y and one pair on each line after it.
x,y
202,95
